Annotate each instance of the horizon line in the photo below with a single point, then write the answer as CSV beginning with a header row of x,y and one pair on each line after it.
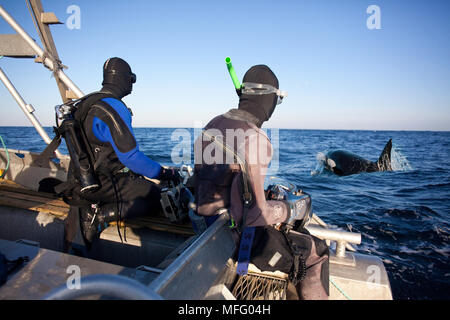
x,y
284,128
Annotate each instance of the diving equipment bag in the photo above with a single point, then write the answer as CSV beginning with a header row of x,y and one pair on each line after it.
x,y
302,256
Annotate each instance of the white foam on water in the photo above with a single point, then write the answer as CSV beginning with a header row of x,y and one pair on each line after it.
x,y
399,161
320,166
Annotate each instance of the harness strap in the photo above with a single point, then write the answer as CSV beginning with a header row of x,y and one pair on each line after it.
x,y
245,248
247,197
49,151
247,233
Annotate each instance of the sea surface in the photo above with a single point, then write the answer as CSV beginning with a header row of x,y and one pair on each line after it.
x,y
403,216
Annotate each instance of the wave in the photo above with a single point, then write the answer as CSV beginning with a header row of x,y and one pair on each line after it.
x,y
399,162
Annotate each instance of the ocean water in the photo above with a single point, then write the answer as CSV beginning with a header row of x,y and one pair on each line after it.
x,y
403,216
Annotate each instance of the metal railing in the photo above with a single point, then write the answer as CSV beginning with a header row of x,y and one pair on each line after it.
x,y
108,285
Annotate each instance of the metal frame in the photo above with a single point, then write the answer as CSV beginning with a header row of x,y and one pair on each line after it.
x,y
26,108
49,58
46,60
45,34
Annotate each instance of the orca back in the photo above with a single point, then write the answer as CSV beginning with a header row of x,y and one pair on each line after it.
x,y
347,163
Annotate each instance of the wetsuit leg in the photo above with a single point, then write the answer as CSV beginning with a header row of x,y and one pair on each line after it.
x,y
127,187
134,197
123,197
315,285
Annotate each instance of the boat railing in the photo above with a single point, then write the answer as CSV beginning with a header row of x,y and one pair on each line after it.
x,y
111,286
342,238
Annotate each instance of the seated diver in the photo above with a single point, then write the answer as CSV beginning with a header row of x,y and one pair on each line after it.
x,y
123,193
223,185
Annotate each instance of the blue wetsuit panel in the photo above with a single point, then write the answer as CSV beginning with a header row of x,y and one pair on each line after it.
x,y
132,158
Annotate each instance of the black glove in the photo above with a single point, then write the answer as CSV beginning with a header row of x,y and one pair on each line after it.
x,y
170,174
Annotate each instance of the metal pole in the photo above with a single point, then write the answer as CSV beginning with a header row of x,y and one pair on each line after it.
x,y
27,109
46,61
334,235
45,34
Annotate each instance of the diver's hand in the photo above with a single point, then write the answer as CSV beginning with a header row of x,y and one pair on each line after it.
x,y
170,174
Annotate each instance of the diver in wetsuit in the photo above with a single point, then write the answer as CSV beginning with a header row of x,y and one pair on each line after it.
x,y
223,184
118,163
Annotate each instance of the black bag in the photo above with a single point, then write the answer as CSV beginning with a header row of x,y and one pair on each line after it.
x,y
273,250
303,257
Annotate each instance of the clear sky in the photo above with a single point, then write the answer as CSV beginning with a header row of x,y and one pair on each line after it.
x,y
339,74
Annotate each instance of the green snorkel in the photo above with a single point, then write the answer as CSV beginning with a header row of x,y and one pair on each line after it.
x,y
233,75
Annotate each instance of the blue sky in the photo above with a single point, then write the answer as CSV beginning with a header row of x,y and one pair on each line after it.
x,y
338,73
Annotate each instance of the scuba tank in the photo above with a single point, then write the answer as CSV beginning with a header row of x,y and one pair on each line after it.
x,y
70,130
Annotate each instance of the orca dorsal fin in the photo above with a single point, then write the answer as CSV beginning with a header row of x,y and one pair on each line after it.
x,y
384,162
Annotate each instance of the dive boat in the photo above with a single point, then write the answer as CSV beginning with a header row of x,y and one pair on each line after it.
x,y
154,258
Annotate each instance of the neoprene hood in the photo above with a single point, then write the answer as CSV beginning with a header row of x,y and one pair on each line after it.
x,y
117,77
261,106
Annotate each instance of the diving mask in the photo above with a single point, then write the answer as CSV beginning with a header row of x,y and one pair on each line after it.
x,y
259,89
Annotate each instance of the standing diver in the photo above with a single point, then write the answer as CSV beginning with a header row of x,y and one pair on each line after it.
x,y
119,167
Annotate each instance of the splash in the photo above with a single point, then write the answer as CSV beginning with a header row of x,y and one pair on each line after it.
x,y
320,166
399,161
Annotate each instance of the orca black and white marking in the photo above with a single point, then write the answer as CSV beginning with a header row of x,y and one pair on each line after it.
x,y
344,163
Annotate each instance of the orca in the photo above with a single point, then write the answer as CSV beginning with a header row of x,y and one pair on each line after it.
x,y
344,163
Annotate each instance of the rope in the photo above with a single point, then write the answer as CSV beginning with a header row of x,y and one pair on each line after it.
x,y
7,157
340,290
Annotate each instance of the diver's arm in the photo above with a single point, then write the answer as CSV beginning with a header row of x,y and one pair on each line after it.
x,y
112,123
139,163
264,212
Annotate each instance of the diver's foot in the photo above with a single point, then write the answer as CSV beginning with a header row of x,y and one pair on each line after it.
x,y
93,221
89,224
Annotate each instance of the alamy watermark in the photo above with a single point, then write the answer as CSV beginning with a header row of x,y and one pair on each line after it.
x,y
74,280
373,22
374,279
233,147
74,19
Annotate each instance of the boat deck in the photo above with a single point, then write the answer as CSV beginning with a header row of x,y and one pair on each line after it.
x,y
50,269
17,196
39,217
151,243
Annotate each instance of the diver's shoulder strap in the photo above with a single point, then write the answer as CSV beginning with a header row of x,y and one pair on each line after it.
x,y
247,233
247,196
